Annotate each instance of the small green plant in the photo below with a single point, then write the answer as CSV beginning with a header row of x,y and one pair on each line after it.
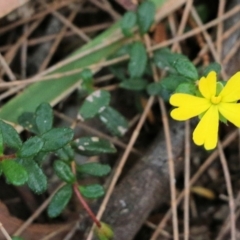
x,y
21,161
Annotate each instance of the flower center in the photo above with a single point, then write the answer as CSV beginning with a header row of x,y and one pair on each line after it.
x,y
216,99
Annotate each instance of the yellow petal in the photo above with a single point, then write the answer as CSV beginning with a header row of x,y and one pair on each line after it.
x,y
231,111
188,106
231,92
206,132
207,86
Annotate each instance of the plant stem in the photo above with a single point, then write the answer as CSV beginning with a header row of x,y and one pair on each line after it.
x,y
85,205
10,156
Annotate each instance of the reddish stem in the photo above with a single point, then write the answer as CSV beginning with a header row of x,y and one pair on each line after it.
x,y
84,204
10,156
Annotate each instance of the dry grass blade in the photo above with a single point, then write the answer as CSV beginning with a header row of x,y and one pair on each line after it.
x,y
227,224
220,27
68,23
209,41
57,42
105,6
232,136
231,53
169,149
40,15
4,232
155,47
229,190
41,208
183,21
171,171
43,39
186,180
7,68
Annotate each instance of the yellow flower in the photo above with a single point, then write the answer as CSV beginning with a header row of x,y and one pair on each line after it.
x,y
209,106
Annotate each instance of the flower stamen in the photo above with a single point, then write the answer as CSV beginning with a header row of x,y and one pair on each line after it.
x,y
216,99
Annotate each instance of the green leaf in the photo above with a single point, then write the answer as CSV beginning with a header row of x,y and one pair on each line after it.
x,y
203,11
216,67
175,63
63,171
40,157
222,118
17,238
59,201
92,191
188,88
44,117
167,86
114,121
155,89
134,84
87,80
145,15
171,82
10,136
31,147
66,153
1,143
28,121
14,172
91,146
37,180
56,138
138,60
129,20
94,169
219,88
164,59
94,104
185,68
86,75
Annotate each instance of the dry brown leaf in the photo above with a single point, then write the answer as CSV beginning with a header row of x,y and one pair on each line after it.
x,y
10,5
33,232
